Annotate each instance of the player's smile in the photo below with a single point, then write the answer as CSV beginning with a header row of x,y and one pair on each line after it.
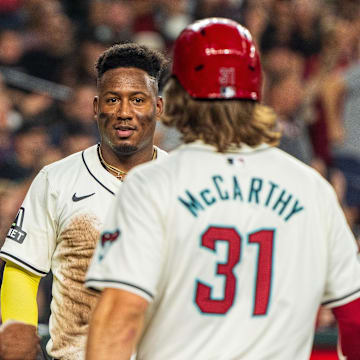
x,y
125,131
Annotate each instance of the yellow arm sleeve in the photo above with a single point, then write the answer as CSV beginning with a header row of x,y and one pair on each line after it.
x,y
18,294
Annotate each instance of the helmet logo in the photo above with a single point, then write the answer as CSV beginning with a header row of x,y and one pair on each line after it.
x,y
228,91
227,82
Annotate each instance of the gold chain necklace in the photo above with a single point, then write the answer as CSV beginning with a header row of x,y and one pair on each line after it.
x,y
119,174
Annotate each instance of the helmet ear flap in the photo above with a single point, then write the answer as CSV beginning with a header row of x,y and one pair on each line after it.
x,y
216,58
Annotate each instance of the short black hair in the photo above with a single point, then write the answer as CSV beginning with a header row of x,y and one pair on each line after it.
x,y
132,55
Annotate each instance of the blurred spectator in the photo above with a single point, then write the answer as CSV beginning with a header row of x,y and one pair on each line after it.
x,y
52,39
10,14
76,10
110,20
146,15
220,8
31,104
80,105
295,139
307,33
78,137
12,48
11,197
7,6
31,149
255,18
10,120
175,18
339,47
57,116
279,62
278,30
344,130
168,138
150,39
80,67
77,109
296,25
339,96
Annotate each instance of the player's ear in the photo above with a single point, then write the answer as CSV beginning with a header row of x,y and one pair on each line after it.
x,y
96,107
159,106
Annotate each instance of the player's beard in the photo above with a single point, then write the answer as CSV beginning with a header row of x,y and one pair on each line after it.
x,y
120,149
124,149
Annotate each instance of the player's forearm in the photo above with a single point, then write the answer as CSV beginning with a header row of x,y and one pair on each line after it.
x,y
18,295
115,327
18,333
106,339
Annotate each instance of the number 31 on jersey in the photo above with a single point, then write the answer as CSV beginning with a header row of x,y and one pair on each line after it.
x,y
264,239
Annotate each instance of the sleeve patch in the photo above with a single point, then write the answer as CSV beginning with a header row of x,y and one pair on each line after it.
x,y
107,239
16,232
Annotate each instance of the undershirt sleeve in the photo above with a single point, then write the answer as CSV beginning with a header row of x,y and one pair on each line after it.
x,y
18,295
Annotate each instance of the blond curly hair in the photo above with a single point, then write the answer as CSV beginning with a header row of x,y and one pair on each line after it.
x,y
221,123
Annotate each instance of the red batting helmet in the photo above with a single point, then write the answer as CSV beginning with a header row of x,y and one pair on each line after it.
x,y
216,58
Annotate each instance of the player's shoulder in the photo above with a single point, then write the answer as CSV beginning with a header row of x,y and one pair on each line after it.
x,y
287,160
67,165
154,171
295,168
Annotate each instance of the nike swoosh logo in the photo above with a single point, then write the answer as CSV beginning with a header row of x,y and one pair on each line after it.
x,y
78,198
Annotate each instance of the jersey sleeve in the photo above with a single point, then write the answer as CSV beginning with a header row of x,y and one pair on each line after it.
x,y
348,319
31,239
343,276
130,251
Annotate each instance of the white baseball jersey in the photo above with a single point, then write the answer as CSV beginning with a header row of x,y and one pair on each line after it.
x,y
234,251
56,229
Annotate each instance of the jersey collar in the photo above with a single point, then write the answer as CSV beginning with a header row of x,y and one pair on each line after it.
x,y
94,166
199,144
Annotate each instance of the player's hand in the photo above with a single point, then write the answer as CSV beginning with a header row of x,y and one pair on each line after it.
x,y
18,341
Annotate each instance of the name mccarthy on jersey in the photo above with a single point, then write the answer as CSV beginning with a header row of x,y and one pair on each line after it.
x,y
258,191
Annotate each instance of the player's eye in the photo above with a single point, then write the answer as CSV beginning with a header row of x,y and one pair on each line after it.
x,y
138,100
111,100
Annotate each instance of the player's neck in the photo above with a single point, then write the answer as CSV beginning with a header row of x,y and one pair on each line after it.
x,y
120,164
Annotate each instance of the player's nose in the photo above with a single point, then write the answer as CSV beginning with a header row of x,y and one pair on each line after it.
x,y
124,111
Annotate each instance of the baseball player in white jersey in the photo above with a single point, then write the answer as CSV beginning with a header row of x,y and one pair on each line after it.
x,y
226,248
59,221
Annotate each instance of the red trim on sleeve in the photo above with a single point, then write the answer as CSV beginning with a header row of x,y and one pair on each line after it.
x,y
348,319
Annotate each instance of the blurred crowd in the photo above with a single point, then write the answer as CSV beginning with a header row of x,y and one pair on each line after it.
x,y
48,48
